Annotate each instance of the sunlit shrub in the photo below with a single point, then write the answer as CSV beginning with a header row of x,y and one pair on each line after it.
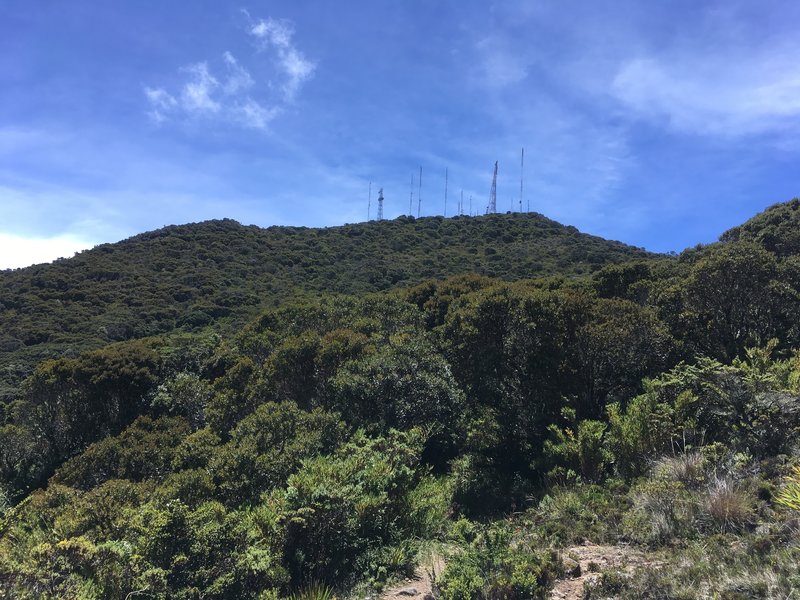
x,y
495,565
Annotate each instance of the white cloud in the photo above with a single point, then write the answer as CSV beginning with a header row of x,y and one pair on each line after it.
x,y
251,114
206,96
277,35
196,96
17,251
721,94
161,103
228,92
238,80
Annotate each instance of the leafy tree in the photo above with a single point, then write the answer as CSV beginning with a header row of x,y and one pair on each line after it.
x,y
731,300
405,384
145,450
184,395
341,508
267,446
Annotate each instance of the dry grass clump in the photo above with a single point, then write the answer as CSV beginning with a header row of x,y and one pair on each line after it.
x,y
688,469
727,506
681,499
662,510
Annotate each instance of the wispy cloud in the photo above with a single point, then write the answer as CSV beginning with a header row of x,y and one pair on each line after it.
x,y
161,103
228,92
204,95
238,80
197,94
498,66
707,96
251,114
732,73
276,35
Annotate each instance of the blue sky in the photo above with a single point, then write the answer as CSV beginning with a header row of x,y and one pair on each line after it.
x,y
657,124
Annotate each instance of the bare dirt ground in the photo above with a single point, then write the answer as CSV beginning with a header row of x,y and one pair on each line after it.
x,y
593,558
420,586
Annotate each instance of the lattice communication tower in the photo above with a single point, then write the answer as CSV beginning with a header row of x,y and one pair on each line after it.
x,y
492,208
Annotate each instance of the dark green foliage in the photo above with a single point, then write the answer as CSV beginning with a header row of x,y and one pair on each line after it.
x,y
700,404
341,508
577,451
777,229
492,563
145,450
221,273
733,301
403,385
569,515
69,403
656,403
184,395
267,446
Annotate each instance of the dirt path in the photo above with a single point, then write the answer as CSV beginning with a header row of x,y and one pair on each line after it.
x,y
419,587
590,558
593,558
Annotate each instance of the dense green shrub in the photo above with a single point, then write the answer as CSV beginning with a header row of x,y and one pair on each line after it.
x,y
342,509
490,563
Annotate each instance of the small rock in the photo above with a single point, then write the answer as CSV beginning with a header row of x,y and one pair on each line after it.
x,y
428,596
571,567
409,591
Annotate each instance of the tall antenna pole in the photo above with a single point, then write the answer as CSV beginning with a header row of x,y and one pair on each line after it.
x,y
411,199
521,177
470,205
461,204
380,205
369,200
492,208
419,196
445,191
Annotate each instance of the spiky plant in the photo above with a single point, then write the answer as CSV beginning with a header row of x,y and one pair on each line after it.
x,y
789,496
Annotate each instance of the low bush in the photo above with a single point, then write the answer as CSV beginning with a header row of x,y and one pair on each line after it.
x,y
726,506
492,563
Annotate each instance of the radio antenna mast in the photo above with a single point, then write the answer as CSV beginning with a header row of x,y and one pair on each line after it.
x,y
380,205
411,198
419,196
521,177
445,191
492,208
369,200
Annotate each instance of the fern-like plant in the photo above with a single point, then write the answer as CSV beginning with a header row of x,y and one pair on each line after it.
x,y
314,591
789,496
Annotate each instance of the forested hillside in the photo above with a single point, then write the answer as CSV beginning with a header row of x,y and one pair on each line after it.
x,y
489,419
222,273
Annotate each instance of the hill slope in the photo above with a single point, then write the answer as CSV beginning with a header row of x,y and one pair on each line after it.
x,y
630,434
777,229
190,276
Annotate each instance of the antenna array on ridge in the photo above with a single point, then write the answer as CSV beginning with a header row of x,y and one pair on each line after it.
x,y
461,209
